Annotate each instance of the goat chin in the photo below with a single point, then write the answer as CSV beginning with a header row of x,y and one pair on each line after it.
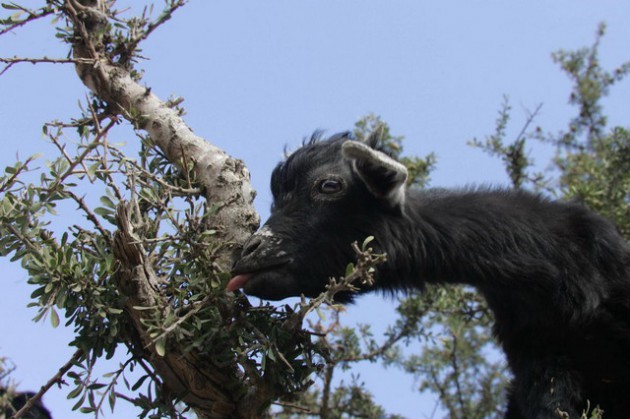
x,y
268,284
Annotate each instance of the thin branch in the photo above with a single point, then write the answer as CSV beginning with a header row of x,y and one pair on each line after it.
x,y
531,116
457,374
90,216
10,62
164,17
366,260
302,409
111,385
11,180
125,397
62,150
16,60
198,306
55,379
328,376
380,350
33,248
32,17
79,160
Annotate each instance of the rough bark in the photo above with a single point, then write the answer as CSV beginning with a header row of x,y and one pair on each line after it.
x,y
201,388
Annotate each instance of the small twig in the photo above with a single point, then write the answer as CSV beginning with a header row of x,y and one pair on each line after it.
x,y
55,379
293,406
24,239
16,60
457,374
143,173
531,116
261,336
164,17
79,160
111,385
197,306
91,216
8,182
328,376
380,350
168,239
366,260
156,379
124,397
32,16
10,62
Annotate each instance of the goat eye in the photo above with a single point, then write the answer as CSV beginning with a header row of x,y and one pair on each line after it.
x,y
329,186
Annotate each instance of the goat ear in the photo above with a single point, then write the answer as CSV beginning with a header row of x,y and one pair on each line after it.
x,y
383,176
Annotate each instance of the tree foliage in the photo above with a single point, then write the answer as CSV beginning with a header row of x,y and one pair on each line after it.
x,y
143,269
144,266
590,163
591,159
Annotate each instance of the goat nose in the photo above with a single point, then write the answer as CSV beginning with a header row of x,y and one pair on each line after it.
x,y
251,245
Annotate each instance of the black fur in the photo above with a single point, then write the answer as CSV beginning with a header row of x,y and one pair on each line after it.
x,y
17,402
555,274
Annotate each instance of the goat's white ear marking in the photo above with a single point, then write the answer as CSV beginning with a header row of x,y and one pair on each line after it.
x,y
383,176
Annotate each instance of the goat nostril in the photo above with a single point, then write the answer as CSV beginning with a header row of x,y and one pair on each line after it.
x,y
251,246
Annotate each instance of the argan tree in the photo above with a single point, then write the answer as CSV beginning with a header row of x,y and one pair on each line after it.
x,y
145,266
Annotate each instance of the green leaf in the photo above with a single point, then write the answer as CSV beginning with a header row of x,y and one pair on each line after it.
x,y
138,383
112,400
83,131
54,318
105,200
160,346
91,170
16,16
349,269
103,211
73,375
79,402
75,393
320,314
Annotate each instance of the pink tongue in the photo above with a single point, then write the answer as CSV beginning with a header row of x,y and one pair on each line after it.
x,y
237,282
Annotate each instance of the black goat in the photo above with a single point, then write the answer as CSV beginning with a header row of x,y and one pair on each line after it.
x,y
556,275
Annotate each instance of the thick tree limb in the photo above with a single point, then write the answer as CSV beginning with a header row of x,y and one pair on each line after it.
x,y
201,388
225,182
226,179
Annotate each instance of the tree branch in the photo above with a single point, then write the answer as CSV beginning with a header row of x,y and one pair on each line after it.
x,y
55,379
44,11
225,179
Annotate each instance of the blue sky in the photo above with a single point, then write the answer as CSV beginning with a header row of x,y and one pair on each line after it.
x,y
257,76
